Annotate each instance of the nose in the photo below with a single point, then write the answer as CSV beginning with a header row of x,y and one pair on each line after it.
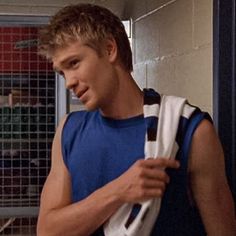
x,y
71,80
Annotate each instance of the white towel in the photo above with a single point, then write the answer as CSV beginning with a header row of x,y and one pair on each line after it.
x,y
167,111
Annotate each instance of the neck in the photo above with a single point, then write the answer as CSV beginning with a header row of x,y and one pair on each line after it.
x,y
127,101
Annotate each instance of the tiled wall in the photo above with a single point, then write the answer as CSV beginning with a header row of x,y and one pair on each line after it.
x,y
172,43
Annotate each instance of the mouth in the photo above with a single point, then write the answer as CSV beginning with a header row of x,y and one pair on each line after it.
x,y
80,94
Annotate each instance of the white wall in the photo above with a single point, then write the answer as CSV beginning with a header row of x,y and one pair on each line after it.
x,y
172,43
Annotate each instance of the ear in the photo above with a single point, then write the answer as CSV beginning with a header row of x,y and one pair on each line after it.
x,y
111,49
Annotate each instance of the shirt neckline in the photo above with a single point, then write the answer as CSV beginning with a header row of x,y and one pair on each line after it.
x,y
121,123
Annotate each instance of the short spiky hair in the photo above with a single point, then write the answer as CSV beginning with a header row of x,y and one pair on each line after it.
x,y
90,23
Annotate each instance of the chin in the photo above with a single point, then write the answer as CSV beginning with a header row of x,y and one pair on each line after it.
x,y
90,106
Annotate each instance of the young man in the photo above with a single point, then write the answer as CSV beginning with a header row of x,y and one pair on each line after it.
x,y
97,155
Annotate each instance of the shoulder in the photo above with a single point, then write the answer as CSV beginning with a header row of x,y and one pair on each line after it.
x,y
205,137
66,133
75,124
68,124
206,153
80,116
74,120
76,116
205,128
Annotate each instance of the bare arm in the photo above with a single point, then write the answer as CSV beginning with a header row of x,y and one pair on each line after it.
x,y
209,183
59,216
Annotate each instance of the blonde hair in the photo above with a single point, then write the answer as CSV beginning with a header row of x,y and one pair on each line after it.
x,y
90,23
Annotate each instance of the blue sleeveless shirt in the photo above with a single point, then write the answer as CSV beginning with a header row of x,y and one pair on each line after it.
x,y
96,150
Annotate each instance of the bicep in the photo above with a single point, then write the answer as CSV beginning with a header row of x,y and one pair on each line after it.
x,y
206,161
208,179
56,192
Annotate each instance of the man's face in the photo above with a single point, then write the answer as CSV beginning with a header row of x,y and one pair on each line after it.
x,y
89,75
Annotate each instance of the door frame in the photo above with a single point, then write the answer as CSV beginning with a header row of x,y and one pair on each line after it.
x,y
224,85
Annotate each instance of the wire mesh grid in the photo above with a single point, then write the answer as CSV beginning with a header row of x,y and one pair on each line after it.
x,y
18,226
27,126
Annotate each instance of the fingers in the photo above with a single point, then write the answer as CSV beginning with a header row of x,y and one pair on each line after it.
x,y
156,174
145,179
151,189
153,193
155,168
152,183
161,163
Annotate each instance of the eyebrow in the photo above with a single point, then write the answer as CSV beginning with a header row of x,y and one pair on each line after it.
x,y
64,61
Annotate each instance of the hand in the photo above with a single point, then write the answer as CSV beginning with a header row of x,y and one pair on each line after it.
x,y
144,180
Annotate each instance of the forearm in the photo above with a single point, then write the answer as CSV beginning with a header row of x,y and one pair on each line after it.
x,y
221,219
82,218
221,225
216,209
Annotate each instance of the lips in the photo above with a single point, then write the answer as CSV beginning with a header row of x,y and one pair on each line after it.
x,y
80,93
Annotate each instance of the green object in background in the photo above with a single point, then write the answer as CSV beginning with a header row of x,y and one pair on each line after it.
x,y
6,122
25,122
16,122
1,123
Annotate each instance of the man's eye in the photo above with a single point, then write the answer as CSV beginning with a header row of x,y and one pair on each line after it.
x,y
74,63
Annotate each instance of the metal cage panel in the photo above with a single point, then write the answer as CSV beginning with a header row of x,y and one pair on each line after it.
x,y
27,126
